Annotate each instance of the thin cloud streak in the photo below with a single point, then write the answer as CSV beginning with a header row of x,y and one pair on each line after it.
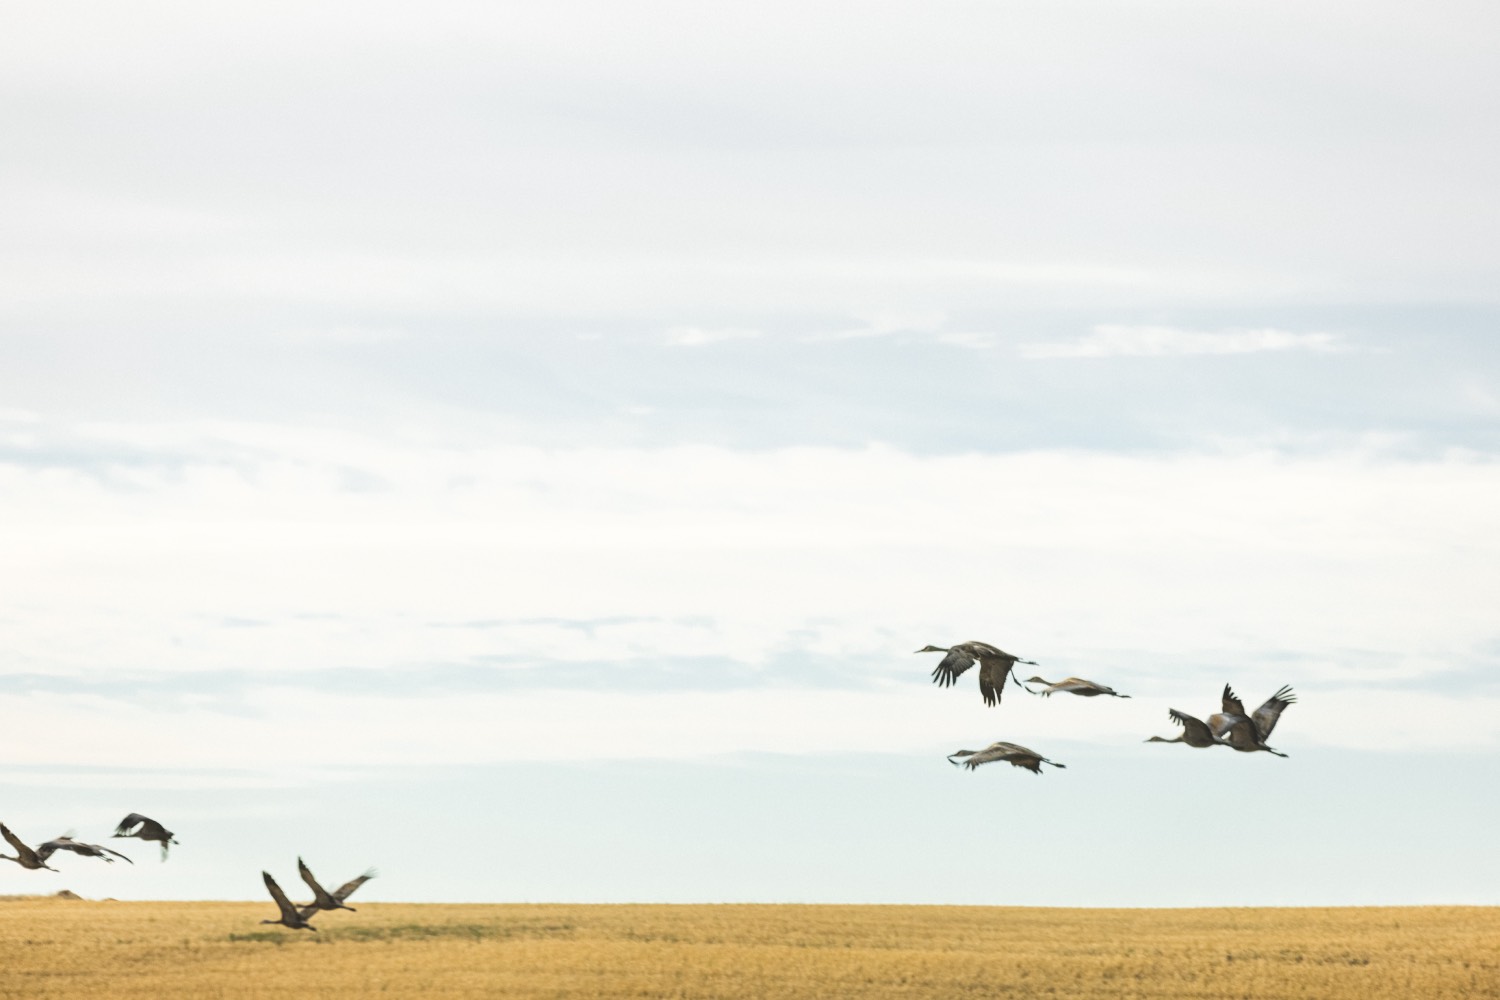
x,y
1111,341
697,336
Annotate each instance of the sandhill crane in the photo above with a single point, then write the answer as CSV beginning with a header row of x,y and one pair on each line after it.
x,y
149,829
1018,756
67,843
1073,685
994,666
1195,732
25,856
1247,733
290,916
335,900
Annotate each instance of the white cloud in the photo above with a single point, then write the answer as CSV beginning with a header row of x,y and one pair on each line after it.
x,y
928,324
697,336
1112,341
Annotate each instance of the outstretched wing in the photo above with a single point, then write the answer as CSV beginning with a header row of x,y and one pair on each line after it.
x,y
1193,728
123,830
288,911
994,668
63,843
21,849
991,681
991,753
321,899
1265,717
1232,704
51,847
955,663
346,890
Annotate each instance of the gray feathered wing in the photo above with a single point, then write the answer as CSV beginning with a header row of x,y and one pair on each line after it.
x,y
1266,716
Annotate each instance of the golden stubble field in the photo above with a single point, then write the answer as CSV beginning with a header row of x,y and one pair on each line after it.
x,y
77,950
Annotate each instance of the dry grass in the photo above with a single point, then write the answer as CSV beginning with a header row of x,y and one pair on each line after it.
x,y
81,950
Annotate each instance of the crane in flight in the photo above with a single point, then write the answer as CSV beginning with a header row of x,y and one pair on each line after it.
x,y
995,665
1017,755
1073,685
144,828
1248,733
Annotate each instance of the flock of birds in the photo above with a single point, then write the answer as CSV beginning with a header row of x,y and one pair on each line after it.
x,y
134,825
145,828
295,917
1232,726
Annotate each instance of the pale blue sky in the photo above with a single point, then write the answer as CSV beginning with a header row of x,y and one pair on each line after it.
x,y
558,428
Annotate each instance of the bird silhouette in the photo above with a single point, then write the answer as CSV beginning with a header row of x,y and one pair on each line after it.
x,y
24,856
995,665
290,917
1073,685
1018,756
67,843
324,900
145,829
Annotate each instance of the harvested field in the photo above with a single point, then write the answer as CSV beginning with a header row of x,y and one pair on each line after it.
x,y
63,948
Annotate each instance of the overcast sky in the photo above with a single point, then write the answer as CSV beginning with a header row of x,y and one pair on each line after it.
x,y
559,424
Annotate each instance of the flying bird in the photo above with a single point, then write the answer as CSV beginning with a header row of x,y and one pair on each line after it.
x,y
1248,733
995,666
25,856
1073,685
324,900
290,917
67,843
148,829
1018,756
1195,732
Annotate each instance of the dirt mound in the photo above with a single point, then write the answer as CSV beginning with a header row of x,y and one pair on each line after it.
x,y
68,894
